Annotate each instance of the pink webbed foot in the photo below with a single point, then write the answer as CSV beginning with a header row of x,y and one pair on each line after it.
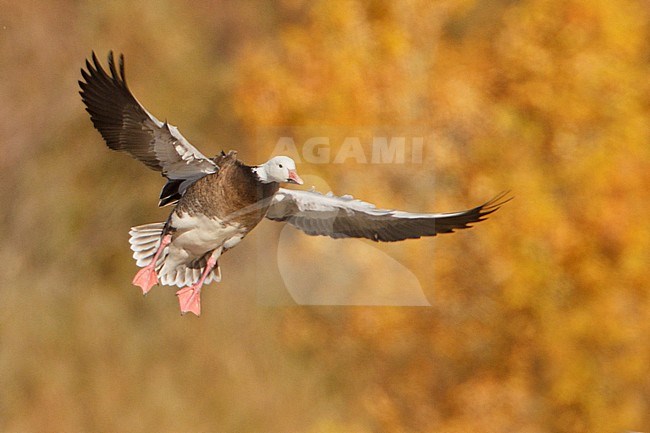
x,y
189,299
146,278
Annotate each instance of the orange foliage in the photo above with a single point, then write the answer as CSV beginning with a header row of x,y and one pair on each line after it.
x,y
539,317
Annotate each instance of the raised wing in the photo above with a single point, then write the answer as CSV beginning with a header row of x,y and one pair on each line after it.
x,y
125,125
342,217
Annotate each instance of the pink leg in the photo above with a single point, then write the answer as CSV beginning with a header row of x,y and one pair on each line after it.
x,y
146,277
189,298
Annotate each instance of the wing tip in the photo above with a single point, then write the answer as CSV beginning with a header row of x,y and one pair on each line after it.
x,y
95,71
469,218
495,203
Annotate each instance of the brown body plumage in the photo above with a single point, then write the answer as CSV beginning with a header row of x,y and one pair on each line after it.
x,y
232,195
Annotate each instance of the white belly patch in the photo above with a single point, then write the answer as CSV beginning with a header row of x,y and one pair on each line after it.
x,y
198,234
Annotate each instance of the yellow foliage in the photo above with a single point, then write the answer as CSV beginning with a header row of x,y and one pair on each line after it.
x,y
539,317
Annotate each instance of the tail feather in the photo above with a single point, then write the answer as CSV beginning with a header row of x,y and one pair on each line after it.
x,y
186,275
145,240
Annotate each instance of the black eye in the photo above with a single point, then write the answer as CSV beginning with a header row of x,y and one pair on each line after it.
x,y
280,165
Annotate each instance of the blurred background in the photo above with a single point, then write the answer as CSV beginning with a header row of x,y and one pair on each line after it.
x,y
539,317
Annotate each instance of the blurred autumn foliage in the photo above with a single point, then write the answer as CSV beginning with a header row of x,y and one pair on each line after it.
x,y
539,317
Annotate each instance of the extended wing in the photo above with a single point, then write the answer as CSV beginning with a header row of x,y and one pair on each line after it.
x,y
127,126
342,217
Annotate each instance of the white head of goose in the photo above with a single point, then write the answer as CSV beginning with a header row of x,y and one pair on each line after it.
x,y
278,169
219,200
